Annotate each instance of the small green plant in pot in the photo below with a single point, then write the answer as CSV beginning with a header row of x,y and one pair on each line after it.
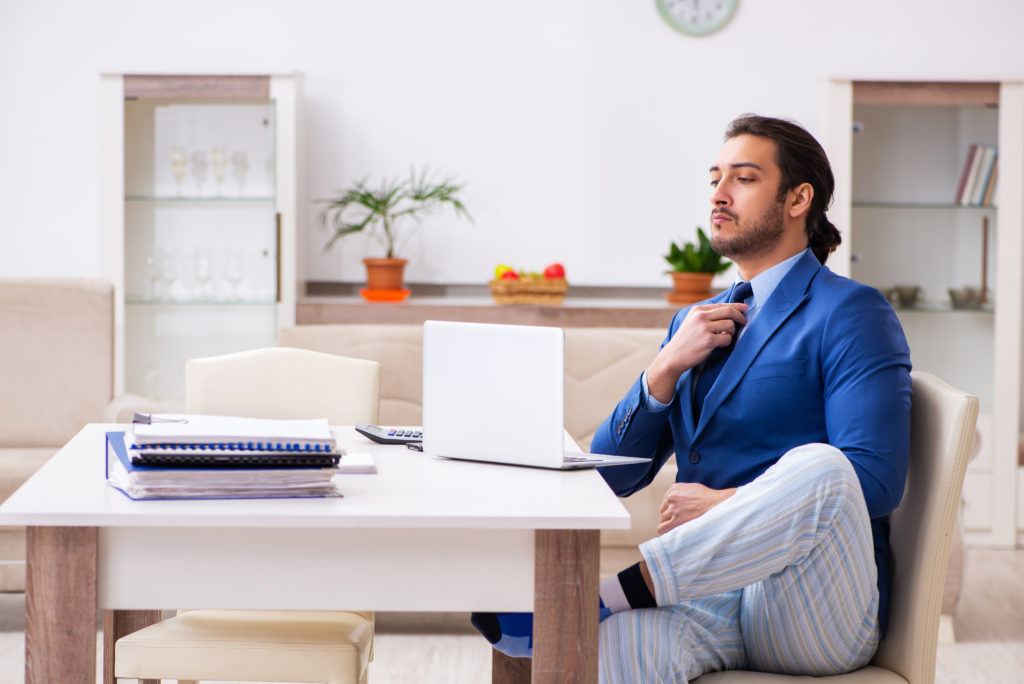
x,y
693,268
384,211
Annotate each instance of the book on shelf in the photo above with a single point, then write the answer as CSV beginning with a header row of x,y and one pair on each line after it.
x,y
970,165
205,481
988,157
988,160
977,177
990,196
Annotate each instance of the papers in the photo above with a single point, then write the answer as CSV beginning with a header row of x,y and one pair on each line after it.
x,y
233,432
189,456
357,462
146,482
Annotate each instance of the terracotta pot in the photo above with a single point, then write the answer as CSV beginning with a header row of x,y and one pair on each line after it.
x,y
384,274
689,288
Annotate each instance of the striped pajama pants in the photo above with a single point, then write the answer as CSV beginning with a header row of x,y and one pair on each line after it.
x,y
780,577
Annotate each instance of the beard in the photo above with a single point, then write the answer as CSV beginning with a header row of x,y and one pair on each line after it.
x,y
762,235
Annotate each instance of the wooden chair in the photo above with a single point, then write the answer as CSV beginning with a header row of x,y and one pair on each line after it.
x,y
263,645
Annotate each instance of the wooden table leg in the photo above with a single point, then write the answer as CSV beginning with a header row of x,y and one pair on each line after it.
x,y
118,623
60,604
565,618
508,670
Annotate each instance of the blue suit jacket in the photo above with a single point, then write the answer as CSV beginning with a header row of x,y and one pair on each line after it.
x,y
824,360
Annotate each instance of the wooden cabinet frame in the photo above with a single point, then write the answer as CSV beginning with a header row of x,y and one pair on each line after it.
x,y
283,90
841,95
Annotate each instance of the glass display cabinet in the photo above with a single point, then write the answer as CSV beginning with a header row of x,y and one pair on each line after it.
x,y
198,184
949,259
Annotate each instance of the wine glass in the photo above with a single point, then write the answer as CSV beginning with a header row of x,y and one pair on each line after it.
x,y
240,166
218,166
167,265
154,290
202,272
179,164
199,166
234,271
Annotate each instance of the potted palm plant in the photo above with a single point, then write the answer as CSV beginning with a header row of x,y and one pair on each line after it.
x,y
382,211
693,268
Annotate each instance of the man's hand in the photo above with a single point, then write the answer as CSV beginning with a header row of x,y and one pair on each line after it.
x,y
705,327
685,501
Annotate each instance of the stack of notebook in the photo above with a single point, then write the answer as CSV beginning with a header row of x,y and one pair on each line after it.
x,y
179,456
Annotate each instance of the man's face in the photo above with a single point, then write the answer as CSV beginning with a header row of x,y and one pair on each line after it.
x,y
747,218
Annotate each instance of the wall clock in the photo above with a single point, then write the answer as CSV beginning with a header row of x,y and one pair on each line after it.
x,y
697,17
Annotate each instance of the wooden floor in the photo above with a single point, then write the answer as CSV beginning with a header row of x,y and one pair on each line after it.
x,y
989,629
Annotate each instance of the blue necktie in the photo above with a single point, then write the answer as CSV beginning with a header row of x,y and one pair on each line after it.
x,y
713,364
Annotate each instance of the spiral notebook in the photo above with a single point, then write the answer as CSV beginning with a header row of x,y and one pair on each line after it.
x,y
235,481
191,440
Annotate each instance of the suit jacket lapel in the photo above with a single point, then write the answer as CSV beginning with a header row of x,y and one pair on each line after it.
x,y
787,297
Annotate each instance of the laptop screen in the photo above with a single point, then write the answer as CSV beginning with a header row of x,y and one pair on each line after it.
x,y
493,392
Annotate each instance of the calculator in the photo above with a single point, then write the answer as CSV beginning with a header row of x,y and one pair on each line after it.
x,y
386,435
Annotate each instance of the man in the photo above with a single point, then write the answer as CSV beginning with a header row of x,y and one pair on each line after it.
x,y
787,403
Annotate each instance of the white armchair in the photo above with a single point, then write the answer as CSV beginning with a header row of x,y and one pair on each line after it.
x,y
942,428
264,645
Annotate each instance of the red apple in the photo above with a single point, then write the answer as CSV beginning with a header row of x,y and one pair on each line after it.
x,y
555,270
510,275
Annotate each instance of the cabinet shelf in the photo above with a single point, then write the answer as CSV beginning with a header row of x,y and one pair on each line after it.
x,y
940,308
942,206
235,303
247,201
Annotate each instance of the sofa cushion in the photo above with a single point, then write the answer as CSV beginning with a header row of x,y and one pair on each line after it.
x,y
18,464
601,364
56,358
398,349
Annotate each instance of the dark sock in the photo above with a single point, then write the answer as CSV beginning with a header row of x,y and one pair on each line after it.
x,y
635,589
626,591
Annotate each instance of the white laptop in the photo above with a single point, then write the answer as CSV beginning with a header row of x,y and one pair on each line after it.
x,y
494,393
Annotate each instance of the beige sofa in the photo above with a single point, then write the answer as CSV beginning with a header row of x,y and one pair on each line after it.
x,y
600,365
57,370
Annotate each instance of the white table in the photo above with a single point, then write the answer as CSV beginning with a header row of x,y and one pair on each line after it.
x,y
424,534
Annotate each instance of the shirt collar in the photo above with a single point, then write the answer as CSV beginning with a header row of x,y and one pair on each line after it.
x,y
764,283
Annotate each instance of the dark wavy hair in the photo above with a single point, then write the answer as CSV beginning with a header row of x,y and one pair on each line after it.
x,y
801,159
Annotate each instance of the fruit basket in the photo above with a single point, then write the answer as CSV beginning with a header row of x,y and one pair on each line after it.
x,y
529,290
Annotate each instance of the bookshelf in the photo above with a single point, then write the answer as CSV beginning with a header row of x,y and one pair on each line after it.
x,y
199,213
899,151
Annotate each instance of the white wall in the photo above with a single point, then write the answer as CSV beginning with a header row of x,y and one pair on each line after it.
x,y
583,128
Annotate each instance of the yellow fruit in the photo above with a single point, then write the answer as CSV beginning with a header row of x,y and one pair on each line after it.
x,y
501,269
